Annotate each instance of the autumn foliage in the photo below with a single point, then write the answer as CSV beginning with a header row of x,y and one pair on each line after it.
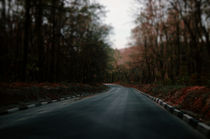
x,y
170,43
194,100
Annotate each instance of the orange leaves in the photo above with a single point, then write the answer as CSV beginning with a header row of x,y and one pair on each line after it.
x,y
193,98
195,88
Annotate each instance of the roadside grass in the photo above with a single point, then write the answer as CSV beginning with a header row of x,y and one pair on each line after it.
x,y
17,94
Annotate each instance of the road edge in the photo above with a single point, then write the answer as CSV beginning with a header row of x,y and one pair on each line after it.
x,y
41,103
196,124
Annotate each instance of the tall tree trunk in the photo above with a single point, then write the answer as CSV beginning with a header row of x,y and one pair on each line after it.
x,y
178,49
3,45
39,20
26,38
52,67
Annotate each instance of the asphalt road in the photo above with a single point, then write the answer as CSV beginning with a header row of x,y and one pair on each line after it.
x,y
120,113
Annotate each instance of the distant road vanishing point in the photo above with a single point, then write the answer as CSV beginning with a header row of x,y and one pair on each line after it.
x,y
119,113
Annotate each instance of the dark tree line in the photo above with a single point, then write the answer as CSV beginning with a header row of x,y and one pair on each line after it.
x,y
172,40
52,40
173,37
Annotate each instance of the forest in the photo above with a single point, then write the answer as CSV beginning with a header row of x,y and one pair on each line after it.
x,y
53,41
67,40
170,44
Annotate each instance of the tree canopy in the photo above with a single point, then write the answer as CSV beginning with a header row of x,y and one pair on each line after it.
x,y
171,42
53,40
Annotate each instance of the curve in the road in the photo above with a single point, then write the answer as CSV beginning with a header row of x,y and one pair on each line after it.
x,y
120,113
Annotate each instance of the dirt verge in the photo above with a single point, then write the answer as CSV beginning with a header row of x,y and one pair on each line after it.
x,y
18,94
193,100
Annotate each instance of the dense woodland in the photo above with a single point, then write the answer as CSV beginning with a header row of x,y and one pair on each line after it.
x,y
66,40
53,40
170,44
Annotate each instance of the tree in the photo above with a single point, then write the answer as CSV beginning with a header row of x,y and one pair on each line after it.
x,y
26,37
54,40
172,37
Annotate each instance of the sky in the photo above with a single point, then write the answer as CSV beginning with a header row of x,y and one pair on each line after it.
x,y
119,16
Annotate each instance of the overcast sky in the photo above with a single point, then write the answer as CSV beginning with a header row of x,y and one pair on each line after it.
x,y
119,16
